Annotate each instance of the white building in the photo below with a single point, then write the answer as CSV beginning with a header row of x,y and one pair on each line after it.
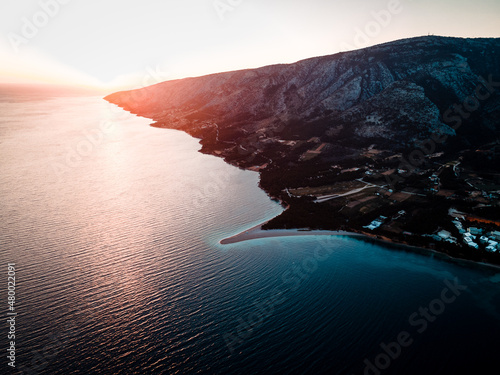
x,y
475,231
495,235
444,234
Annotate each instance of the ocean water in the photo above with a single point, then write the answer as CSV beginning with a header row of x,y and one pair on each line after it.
x,y
114,227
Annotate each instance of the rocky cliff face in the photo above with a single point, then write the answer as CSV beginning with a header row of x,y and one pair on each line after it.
x,y
393,94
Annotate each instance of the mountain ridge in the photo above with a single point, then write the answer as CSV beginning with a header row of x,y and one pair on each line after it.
x,y
321,88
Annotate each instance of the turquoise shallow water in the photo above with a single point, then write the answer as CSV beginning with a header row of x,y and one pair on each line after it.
x,y
114,228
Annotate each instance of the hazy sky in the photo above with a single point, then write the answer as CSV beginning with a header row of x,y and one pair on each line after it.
x,y
136,43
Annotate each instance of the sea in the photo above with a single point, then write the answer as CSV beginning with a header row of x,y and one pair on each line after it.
x,y
112,231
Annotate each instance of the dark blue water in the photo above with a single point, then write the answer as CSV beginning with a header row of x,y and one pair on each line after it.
x,y
114,229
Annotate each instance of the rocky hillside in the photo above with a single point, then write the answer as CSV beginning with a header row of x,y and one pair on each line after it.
x,y
393,94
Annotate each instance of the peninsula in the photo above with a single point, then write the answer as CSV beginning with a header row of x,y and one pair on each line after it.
x,y
397,141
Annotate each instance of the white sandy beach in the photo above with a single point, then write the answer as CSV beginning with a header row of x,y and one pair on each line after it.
x,y
257,232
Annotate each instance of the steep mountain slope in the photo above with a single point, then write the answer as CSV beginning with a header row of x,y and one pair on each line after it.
x,y
393,94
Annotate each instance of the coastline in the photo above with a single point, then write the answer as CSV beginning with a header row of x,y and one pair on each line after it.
x,y
256,232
